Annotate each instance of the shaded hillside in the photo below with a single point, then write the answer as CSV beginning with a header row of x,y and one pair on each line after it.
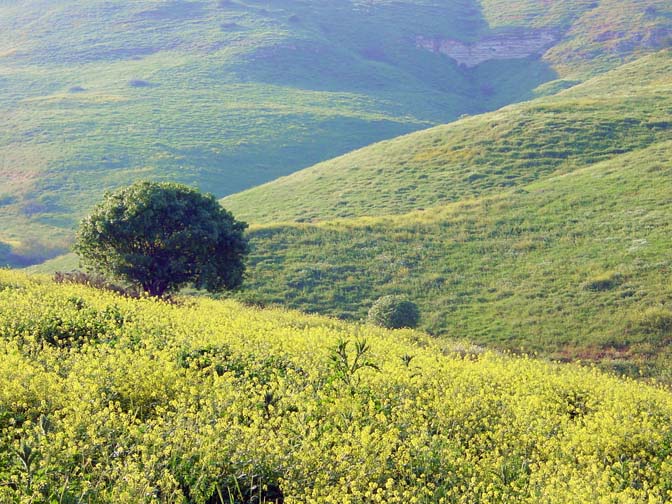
x,y
108,399
626,109
229,94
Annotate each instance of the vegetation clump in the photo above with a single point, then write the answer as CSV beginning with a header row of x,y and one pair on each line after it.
x,y
603,282
656,320
394,312
163,236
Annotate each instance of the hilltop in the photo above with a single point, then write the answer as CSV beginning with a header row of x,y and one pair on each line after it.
x,y
111,399
225,95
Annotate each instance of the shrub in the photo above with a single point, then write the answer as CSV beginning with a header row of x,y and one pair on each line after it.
x,y
603,282
394,312
138,83
655,320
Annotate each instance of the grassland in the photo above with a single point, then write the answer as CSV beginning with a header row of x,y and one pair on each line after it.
x,y
624,110
576,266
220,95
110,399
549,235
227,95
542,227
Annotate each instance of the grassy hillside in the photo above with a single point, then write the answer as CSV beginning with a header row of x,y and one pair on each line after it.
x,y
596,35
229,94
556,242
624,110
574,266
108,399
222,95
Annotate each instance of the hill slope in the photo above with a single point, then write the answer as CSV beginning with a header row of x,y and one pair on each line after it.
x,y
574,266
107,399
229,94
556,240
623,110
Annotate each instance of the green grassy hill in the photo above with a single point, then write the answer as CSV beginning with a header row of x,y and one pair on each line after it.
x,y
624,110
575,266
108,399
229,94
556,240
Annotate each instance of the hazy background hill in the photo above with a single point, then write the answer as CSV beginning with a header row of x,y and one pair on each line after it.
x,y
622,110
229,94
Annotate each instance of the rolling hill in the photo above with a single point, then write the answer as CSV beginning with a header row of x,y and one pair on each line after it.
x,y
626,109
229,94
108,399
542,227
576,266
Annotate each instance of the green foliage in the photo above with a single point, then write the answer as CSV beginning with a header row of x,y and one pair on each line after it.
x,y
656,321
204,401
394,312
163,236
345,367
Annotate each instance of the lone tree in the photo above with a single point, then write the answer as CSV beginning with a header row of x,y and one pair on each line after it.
x,y
163,236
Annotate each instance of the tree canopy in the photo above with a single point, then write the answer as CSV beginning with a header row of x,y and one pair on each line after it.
x,y
163,236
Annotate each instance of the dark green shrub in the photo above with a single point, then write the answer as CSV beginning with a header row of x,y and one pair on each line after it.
x,y
161,237
656,320
603,282
394,312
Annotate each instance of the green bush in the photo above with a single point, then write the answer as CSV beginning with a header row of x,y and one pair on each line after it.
x,y
394,312
163,236
604,281
655,320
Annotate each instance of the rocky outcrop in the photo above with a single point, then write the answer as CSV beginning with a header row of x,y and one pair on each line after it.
x,y
506,46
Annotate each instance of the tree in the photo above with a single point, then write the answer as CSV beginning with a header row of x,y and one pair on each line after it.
x,y
163,236
394,312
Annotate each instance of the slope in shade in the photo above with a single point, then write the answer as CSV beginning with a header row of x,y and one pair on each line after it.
x,y
219,95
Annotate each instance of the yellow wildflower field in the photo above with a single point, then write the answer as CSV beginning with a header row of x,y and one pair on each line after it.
x,y
111,399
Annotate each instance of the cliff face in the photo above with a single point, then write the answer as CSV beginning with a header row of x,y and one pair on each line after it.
x,y
508,46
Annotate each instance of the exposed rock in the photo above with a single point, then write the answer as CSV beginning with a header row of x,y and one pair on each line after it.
x,y
516,45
